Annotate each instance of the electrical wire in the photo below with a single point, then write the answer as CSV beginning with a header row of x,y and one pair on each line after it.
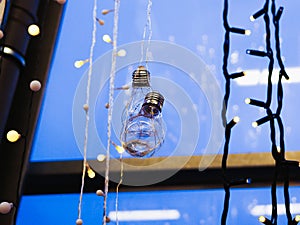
x,y
110,109
86,133
226,47
147,29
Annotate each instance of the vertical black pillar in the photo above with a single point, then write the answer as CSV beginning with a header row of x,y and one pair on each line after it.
x,y
13,47
22,59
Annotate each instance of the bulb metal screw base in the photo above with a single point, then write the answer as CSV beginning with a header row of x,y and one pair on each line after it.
x,y
153,103
141,77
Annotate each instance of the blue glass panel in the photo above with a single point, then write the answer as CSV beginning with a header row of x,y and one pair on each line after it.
x,y
195,26
158,207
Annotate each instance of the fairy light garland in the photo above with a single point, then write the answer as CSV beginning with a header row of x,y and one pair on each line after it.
x,y
229,125
281,164
79,220
110,108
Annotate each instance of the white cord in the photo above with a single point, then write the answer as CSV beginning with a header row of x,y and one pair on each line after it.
x,y
110,109
87,104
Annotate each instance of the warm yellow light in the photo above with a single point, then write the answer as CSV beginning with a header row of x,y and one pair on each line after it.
x,y
120,149
236,119
91,173
252,18
297,218
33,30
262,219
80,63
107,38
12,136
121,53
101,157
247,100
278,149
254,124
247,32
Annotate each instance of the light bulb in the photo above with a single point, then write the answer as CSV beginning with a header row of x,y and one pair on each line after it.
x,y
34,30
5,207
143,129
101,22
90,172
80,63
264,220
121,53
106,38
13,136
35,85
79,222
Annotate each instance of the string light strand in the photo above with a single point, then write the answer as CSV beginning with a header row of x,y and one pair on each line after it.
x,y
228,125
89,77
110,109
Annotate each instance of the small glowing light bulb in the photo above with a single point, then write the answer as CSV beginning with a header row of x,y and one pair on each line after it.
x,y
12,136
247,100
35,85
252,18
33,30
262,219
91,173
106,11
79,222
120,149
297,218
121,53
5,207
100,193
101,157
247,32
278,149
107,38
80,63
233,122
236,119
254,124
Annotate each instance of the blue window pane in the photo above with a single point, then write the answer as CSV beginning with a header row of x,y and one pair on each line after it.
x,y
195,26
158,207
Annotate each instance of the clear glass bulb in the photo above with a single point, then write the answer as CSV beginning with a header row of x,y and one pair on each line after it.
x,y
143,129
140,88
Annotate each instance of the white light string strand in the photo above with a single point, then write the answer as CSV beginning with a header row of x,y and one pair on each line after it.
x,y
148,27
110,109
118,186
86,108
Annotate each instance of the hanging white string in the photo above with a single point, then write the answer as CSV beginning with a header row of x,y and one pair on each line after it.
x,y
118,186
110,109
148,27
86,108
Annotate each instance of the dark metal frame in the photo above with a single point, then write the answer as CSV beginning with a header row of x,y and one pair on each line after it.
x,y
65,176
